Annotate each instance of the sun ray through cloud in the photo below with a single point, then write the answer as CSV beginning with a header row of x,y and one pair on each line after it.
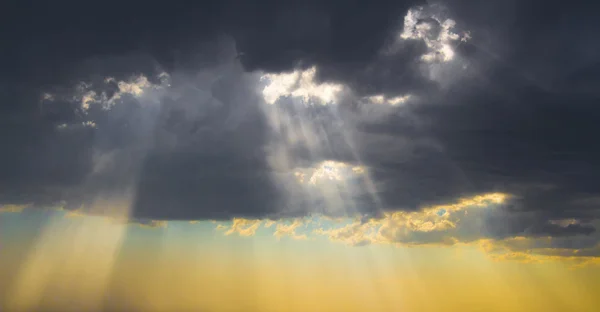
x,y
325,155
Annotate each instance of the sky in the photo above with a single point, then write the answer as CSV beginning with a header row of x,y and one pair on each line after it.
x,y
300,156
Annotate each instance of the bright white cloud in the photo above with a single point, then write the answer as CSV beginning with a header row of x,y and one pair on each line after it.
x,y
89,124
85,124
328,171
299,84
134,87
88,95
393,101
137,87
437,33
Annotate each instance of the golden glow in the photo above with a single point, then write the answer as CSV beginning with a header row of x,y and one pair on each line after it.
x,y
81,264
538,250
394,227
280,276
433,226
242,227
83,255
282,229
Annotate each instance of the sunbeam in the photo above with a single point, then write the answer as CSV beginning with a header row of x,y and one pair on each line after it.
x,y
300,156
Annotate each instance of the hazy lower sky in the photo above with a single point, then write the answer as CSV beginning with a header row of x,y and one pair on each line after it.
x,y
300,156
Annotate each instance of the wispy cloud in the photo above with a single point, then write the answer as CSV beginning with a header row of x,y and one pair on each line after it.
x,y
13,208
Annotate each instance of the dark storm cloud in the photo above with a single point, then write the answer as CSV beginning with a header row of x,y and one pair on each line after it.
x,y
281,36
513,112
519,122
213,161
548,42
518,118
57,55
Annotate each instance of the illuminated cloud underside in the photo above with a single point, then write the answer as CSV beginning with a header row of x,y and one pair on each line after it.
x,y
444,225
441,225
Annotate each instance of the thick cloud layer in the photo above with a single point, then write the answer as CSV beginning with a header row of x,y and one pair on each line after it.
x,y
270,109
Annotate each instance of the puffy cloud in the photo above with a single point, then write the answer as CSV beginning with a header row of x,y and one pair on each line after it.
x,y
295,228
438,35
242,227
299,84
471,221
466,222
282,229
435,225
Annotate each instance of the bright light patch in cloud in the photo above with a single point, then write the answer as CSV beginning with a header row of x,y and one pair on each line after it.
x,y
393,101
328,171
299,84
85,94
565,222
85,124
87,97
134,87
438,34
89,124
47,97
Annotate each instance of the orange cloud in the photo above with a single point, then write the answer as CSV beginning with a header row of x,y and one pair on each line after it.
x,y
282,229
243,227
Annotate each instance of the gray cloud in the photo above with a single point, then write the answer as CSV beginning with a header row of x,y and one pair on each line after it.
x,y
469,99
